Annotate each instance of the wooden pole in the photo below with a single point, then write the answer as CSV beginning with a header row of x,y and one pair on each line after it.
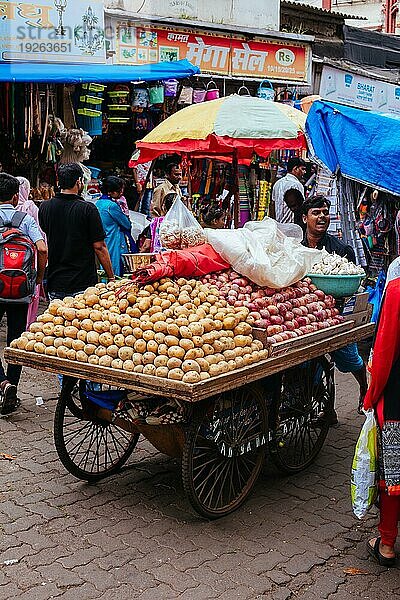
x,y
236,193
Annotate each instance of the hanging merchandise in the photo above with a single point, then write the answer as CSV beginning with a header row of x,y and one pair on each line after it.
x,y
264,199
186,95
140,98
118,107
244,197
171,88
266,90
212,93
89,112
199,92
156,94
244,91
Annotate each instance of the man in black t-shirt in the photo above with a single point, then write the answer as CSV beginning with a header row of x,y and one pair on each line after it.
x,y
317,219
75,236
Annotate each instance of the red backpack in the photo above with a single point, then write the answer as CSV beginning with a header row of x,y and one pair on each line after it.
x,y
17,262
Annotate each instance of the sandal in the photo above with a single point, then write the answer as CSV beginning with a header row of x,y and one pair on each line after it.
x,y
374,551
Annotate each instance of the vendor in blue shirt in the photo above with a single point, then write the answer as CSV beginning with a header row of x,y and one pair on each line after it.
x,y
317,219
117,225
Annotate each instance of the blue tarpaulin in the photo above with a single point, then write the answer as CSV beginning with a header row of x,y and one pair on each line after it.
x,y
92,73
363,145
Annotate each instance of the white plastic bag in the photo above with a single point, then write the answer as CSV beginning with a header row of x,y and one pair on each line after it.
x,y
364,472
180,229
264,254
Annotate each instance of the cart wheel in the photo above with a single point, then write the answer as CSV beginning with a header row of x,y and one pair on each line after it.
x,y
88,447
224,452
301,412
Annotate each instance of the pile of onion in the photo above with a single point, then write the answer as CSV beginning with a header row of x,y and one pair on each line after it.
x,y
285,314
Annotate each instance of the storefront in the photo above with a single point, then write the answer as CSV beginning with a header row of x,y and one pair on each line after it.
x,y
273,67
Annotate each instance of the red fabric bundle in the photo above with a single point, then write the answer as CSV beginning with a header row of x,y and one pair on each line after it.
x,y
191,262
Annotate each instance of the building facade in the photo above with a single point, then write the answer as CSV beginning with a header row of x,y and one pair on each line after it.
x,y
225,12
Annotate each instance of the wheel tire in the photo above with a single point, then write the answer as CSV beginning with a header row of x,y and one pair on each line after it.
x,y
89,448
215,481
301,415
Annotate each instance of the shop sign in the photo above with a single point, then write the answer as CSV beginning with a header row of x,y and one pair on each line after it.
x,y
68,31
223,55
362,92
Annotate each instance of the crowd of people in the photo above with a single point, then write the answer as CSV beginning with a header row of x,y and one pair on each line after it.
x,y
71,237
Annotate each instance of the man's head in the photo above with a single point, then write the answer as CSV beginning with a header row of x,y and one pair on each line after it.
x,y
70,178
173,173
294,199
316,215
113,187
297,167
9,189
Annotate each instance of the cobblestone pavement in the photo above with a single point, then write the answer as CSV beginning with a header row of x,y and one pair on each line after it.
x,y
134,536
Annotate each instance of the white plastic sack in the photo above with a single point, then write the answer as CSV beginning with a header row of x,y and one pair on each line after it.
x,y
180,229
261,252
364,470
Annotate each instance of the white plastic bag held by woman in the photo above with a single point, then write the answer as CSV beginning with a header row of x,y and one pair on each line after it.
x,y
364,487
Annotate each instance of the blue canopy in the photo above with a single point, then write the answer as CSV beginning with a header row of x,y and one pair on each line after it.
x,y
92,73
364,145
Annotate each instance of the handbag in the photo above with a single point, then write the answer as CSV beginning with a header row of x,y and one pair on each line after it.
x,y
390,453
171,88
156,94
212,93
186,95
199,94
266,90
140,98
364,471
243,91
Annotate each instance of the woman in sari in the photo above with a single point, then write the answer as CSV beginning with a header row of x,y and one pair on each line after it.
x,y
384,397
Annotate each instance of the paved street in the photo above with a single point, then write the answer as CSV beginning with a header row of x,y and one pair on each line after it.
x,y
134,536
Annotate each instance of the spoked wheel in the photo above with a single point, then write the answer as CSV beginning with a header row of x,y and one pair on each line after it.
x,y
301,414
88,447
224,452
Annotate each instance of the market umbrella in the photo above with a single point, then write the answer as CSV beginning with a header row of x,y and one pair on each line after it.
x,y
234,126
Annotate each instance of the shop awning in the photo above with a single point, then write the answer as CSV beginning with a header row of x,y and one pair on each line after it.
x,y
92,73
363,145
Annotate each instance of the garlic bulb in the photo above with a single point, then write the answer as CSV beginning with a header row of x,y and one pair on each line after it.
x,y
333,264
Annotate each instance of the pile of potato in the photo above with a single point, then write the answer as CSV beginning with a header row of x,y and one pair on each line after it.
x,y
181,330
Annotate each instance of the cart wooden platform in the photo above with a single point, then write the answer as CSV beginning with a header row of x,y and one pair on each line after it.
x,y
284,402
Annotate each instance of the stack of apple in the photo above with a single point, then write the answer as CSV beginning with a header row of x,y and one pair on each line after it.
x,y
285,314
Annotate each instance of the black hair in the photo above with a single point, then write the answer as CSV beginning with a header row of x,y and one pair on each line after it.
x,y
169,199
295,162
170,166
296,193
112,184
212,214
68,174
9,186
314,202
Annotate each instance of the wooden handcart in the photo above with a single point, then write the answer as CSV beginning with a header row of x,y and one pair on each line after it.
x,y
283,403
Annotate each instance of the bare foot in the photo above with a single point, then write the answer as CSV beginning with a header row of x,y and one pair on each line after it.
x,y
386,551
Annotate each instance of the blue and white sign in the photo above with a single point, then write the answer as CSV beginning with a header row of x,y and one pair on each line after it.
x,y
362,92
67,31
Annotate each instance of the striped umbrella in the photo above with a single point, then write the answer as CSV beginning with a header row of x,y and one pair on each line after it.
x,y
235,125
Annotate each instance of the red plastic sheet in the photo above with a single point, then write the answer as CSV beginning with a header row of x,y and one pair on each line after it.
x,y
191,262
